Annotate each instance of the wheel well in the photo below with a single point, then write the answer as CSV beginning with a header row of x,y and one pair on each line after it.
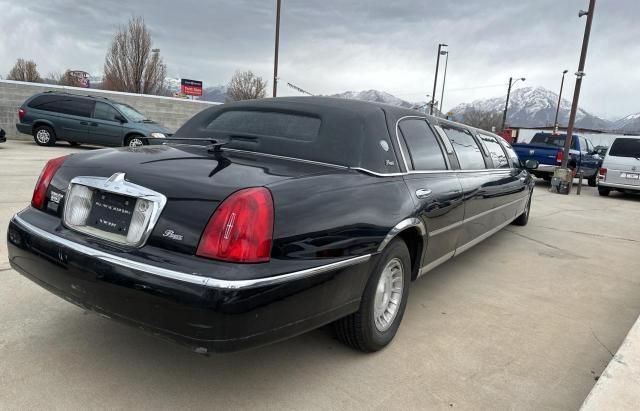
x,y
412,238
42,123
130,135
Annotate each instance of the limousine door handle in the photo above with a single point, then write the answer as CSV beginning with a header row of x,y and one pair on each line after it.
x,y
84,123
423,193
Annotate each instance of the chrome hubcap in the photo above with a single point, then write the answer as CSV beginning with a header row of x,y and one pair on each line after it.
x,y
43,136
135,142
388,294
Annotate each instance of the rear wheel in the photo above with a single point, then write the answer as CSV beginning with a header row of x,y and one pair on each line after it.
x,y
592,181
44,136
523,218
135,141
603,191
382,306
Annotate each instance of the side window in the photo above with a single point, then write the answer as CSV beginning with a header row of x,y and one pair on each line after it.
x,y
77,107
424,150
515,161
497,153
104,111
469,155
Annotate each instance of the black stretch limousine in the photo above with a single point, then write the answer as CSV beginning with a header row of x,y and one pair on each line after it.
x,y
269,219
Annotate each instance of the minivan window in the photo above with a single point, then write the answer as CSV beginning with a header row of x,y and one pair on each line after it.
x,y
424,151
625,147
130,112
497,153
64,104
104,111
467,150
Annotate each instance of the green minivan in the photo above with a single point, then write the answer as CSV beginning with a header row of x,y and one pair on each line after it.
x,y
54,116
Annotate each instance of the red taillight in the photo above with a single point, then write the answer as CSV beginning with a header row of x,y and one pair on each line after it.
x,y
560,156
49,170
602,173
21,113
241,228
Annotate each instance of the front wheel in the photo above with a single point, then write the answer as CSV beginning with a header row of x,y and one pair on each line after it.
x,y
382,306
134,141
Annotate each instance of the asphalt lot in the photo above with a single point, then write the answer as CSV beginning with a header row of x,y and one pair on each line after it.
x,y
526,320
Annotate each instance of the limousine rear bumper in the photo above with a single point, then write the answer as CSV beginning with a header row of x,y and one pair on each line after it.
x,y
216,316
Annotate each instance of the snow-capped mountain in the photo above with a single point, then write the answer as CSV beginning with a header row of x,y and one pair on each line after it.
x,y
533,107
374,96
216,94
628,124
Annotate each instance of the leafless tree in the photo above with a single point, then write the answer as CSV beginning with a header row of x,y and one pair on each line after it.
x,y
246,86
66,79
131,65
485,120
24,70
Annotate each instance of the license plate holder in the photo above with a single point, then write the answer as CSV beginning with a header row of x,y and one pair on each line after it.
x,y
111,212
630,176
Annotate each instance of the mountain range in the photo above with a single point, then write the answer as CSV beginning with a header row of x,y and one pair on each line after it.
x,y
528,107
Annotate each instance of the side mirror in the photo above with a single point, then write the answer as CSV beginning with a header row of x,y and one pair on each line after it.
x,y
121,119
531,164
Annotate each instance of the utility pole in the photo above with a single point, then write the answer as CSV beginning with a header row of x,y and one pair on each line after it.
x,y
579,74
444,80
555,123
277,47
435,79
506,103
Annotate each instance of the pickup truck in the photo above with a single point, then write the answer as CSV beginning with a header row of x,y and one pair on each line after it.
x,y
548,150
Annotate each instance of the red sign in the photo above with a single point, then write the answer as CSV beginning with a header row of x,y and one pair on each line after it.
x,y
191,87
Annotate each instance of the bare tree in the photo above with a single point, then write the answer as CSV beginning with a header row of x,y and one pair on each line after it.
x,y
131,65
24,70
246,86
486,120
66,79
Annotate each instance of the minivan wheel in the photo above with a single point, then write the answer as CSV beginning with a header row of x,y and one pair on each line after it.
x,y
135,141
383,303
44,136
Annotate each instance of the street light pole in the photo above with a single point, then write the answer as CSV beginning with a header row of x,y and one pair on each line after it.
x,y
444,80
506,103
579,74
435,79
555,123
277,47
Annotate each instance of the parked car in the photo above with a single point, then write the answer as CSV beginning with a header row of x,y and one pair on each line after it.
x,y
621,167
280,216
53,116
548,150
3,136
601,151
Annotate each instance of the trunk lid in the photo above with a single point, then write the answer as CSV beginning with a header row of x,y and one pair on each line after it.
x,y
194,181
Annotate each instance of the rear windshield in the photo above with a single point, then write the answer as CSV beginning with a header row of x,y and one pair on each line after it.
x,y
625,147
267,123
554,140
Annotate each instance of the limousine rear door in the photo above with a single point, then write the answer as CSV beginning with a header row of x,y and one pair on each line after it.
x,y
435,189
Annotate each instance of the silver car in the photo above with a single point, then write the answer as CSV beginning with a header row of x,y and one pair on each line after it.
x,y
621,167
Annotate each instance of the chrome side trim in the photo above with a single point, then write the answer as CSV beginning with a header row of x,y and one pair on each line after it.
x,y
300,160
482,214
484,170
403,225
192,278
436,263
482,237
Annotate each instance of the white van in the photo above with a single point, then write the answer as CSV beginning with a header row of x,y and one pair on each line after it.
x,y
621,167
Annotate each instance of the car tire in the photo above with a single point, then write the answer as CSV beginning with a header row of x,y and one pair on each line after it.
x,y
523,218
135,141
44,136
603,191
592,181
547,178
385,295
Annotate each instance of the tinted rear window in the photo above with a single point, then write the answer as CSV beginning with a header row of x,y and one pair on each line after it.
x,y
625,147
267,123
553,140
63,104
424,151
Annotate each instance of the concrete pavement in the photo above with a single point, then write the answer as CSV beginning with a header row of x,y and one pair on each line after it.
x,y
527,320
